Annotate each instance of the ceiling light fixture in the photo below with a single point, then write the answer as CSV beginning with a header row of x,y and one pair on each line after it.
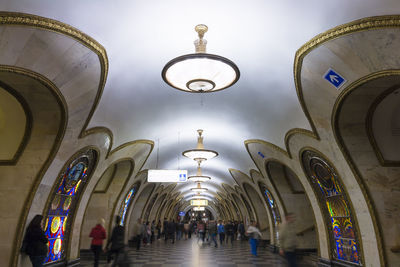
x,y
199,153
198,178
200,72
199,188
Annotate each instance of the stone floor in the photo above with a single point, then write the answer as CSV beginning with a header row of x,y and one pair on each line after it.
x,y
193,253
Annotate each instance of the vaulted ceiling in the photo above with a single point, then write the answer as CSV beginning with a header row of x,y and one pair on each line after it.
x,y
261,37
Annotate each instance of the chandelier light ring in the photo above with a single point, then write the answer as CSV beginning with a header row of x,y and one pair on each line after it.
x,y
200,72
212,72
200,154
199,179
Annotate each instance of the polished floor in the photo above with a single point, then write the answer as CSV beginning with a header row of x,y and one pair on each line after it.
x,y
193,253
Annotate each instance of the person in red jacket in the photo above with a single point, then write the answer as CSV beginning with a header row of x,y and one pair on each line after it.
x,y
98,234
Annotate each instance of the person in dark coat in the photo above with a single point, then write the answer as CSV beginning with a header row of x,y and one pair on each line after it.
x,y
229,232
171,228
117,242
98,234
36,242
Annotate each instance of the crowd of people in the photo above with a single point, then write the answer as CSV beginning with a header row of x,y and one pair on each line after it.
x,y
145,233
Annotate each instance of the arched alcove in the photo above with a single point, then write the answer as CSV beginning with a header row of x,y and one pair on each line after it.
x,y
136,210
64,200
292,195
28,154
343,234
364,123
260,209
155,212
150,205
273,208
15,124
103,198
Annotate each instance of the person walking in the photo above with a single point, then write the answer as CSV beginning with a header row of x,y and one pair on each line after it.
x,y
212,230
35,242
165,231
287,236
241,230
137,233
229,232
98,234
186,229
254,235
171,229
115,244
221,232
158,227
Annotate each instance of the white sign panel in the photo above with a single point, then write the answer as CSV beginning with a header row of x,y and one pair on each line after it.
x,y
199,208
167,176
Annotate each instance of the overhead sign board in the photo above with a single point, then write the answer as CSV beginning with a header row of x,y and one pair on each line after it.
x,y
199,208
334,78
199,202
167,176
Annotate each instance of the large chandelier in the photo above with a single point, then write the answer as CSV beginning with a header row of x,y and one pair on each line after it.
x,y
199,153
200,72
199,177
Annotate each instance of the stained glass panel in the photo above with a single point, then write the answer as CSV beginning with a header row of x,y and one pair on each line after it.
x,y
271,203
327,186
63,203
125,205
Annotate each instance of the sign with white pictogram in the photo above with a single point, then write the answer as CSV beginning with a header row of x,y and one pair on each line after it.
x,y
334,78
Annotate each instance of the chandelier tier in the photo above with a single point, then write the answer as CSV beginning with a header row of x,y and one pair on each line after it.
x,y
199,189
199,153
200,72
199,177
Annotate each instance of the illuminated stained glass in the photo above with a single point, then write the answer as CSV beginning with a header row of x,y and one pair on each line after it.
x,y
125,205
327,186
274,209
63,202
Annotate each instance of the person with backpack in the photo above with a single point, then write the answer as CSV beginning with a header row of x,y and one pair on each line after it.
x,y
115,245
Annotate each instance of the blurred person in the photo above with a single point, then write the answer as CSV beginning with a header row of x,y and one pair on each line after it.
x,y
241,231
287,236
229,232
221,232
186,229
98,234
153,229
212,230
254,236
115,245
35,242
158,227
138,233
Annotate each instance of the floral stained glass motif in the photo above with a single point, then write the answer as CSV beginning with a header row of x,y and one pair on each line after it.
x,y
125,205
63,203
330,192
